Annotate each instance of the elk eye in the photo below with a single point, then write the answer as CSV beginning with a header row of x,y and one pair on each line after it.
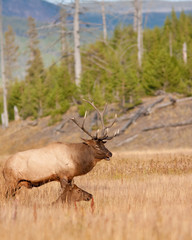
x,y
104,142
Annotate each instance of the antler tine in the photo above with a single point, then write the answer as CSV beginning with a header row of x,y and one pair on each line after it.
x,y
104,110
97,134
107,128
82,127
114,135
85,116
102,121
101,115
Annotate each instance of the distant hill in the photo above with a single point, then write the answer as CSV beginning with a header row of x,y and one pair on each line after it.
x,y
38,9
44,11
123,7
154,14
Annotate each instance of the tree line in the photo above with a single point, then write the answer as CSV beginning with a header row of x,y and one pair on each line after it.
x,y
110,70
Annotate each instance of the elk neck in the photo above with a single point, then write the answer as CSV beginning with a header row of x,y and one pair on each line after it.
x,y
83,159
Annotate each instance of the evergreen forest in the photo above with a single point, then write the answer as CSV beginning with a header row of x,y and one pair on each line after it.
x,y
111,72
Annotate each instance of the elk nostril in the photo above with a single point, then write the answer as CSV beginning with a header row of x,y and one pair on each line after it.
x,y
110,154
90,196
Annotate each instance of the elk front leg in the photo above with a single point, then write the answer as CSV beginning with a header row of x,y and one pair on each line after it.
x,y
65,182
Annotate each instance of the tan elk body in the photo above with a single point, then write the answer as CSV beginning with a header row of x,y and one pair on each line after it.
x,y
56,162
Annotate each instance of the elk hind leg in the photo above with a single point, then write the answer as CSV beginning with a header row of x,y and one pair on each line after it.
x,y
13,188
11,191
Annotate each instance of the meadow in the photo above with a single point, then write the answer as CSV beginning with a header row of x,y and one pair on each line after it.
x,y
137,195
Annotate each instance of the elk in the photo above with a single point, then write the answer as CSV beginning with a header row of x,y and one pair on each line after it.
x,y
71,194
58,161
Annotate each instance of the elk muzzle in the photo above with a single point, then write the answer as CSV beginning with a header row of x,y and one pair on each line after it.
x,y
88,197
108,156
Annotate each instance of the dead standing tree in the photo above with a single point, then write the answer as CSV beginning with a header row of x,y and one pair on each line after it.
x,y
5,118
104,22
137,25
135,16
77,54
185,52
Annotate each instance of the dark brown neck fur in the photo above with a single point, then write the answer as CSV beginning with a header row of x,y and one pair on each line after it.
x,y
85,160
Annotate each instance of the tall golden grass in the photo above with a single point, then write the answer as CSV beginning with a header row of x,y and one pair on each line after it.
x,y
138,195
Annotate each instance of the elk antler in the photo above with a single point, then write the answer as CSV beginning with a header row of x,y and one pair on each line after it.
x,y
114,135
104,131
82,126
101,115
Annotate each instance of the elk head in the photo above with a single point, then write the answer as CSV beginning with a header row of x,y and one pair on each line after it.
x,y
75,194
100,138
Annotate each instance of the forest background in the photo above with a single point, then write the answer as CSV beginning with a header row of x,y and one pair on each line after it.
x,y
110,69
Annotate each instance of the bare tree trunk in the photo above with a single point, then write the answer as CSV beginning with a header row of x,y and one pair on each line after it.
x,y
77,55
185,52
5,113
16,113
104,22
140,34
135,18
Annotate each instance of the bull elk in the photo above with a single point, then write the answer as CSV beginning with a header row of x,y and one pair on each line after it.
x,y
57,161
71,194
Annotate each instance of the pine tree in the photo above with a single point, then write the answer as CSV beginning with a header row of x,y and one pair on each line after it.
x,y
162,72
34,93
63,29
60,90
65,51
11,55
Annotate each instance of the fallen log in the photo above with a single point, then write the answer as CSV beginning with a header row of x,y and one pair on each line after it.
x,y
179,124
59,127
173,101
33,123
127,140
144,110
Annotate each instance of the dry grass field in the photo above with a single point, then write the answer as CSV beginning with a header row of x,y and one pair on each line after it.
x,y
138,195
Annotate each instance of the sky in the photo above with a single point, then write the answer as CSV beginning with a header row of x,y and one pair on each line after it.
x,y
57,1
